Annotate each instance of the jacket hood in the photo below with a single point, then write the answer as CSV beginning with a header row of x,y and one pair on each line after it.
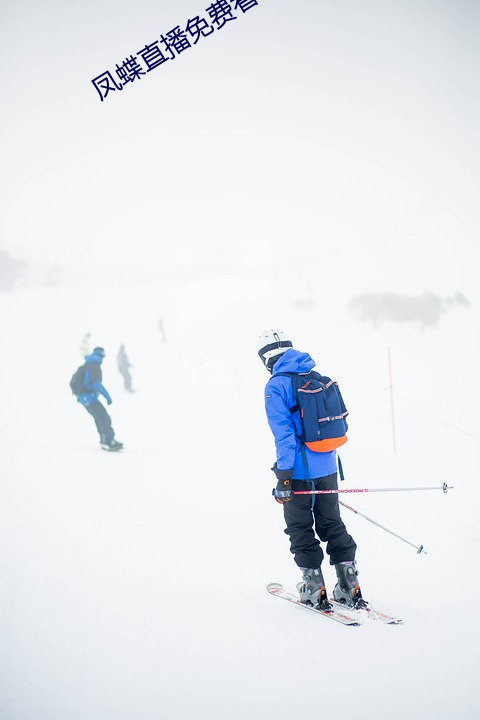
x,y
293,361
93,358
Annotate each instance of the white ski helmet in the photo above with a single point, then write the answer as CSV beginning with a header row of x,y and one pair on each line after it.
x,y
271,344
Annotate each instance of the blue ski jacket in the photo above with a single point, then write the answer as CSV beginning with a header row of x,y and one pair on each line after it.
x,y
285,426
93,381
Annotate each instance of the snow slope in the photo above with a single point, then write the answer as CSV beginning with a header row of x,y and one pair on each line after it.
x,y
133,585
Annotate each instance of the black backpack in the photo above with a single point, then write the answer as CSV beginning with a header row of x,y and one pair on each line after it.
x,y
78,378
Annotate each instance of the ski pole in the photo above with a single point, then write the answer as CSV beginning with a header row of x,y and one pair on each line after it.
x,y
419,548
443,487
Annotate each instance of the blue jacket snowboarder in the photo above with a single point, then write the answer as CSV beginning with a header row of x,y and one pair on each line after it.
x,y
309,518
88,397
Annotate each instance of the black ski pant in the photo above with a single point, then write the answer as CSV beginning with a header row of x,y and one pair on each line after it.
x,y
310,517
102,421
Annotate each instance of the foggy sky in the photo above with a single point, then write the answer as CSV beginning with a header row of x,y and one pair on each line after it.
x,y
349,129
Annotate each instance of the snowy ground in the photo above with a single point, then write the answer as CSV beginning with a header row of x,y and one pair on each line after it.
x,y
133,585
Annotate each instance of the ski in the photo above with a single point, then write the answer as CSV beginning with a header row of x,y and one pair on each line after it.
x,y
337,614
371,613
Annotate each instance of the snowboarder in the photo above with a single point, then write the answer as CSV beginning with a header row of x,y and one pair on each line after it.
x,y
308,518
88,397
123,364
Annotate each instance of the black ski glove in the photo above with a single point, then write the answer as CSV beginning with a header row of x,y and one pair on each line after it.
x,y
283,492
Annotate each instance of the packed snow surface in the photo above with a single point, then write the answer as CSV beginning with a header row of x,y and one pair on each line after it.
x,y
133,584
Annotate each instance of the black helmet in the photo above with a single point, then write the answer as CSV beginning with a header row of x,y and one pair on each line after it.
x,y
99,351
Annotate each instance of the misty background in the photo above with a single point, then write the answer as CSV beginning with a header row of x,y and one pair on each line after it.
x,y
347,131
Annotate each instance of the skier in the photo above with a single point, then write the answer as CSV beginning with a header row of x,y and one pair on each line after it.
x,y
92,388
161,329
123,364
308,518
85,345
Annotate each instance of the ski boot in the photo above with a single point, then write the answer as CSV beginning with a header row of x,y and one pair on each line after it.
x,y
347,590
312,589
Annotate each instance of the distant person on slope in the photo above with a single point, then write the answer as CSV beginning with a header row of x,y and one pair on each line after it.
x,y
124,366
304,466
87,395
161,329
85,345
